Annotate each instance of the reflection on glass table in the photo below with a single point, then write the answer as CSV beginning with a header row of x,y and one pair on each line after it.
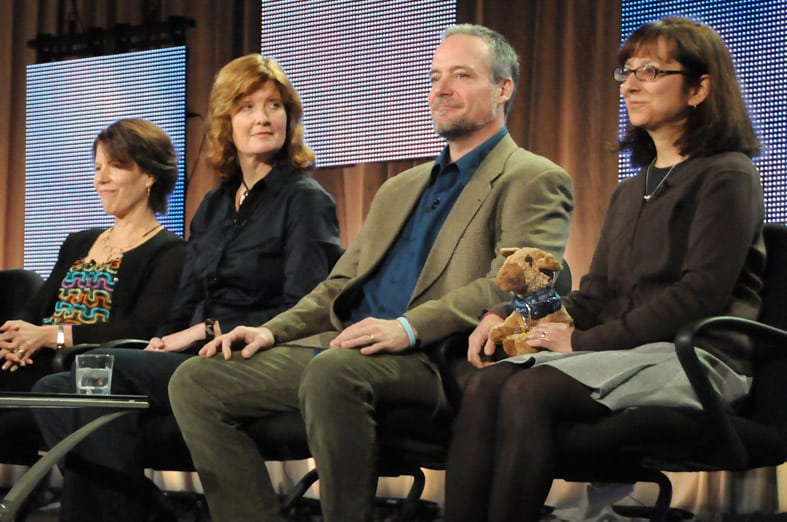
x,y
117,405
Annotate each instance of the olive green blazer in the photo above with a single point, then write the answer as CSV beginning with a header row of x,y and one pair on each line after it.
x,y
515,198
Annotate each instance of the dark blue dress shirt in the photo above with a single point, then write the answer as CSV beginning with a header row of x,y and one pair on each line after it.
x,y
387,292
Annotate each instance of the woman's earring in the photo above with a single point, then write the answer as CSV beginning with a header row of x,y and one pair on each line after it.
x,y
148,190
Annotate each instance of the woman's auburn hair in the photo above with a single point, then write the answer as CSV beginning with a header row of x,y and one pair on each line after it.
x,y
239,78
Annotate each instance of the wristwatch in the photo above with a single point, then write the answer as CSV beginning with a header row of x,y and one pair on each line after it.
x,y
210,332
60,343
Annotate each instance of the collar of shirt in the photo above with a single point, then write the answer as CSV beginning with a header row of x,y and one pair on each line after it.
x,y
467,164
274,181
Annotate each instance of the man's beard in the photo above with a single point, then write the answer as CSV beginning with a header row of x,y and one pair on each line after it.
x,y
462,127
457,129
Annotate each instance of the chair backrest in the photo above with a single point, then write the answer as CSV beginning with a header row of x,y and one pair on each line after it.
x,y
563,282
774,308
769,388
18,431
17,286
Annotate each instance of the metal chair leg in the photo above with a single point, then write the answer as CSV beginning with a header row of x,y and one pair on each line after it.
x,y
16,497
297,491
410,503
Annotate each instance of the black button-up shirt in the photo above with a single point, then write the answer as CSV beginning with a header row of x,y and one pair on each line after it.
x,y
245,267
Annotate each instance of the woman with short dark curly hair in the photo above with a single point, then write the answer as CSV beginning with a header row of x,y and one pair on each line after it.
x,y
111,283
138,141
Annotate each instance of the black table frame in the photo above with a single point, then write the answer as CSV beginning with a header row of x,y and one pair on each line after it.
x,y
17,496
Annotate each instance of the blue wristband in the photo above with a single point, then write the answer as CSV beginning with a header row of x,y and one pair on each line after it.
x,y
408,330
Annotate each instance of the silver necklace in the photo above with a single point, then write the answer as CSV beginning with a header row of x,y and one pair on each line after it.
x,y
245,192
653,192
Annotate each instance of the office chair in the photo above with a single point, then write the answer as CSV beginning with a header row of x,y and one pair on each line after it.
x,y
639,444
410,436
18,432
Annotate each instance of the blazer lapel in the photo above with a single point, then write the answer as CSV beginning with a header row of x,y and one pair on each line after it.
x,y
383,226
388,222
463,213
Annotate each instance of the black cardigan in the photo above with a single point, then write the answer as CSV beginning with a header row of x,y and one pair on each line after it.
x,y
147,282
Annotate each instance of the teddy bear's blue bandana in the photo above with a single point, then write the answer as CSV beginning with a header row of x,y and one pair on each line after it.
x,y
537,305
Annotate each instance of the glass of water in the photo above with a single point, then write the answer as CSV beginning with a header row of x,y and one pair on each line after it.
x,y
94,374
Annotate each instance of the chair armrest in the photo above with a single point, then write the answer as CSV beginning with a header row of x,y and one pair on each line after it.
x,y
712,404
64,358
445,354
454,347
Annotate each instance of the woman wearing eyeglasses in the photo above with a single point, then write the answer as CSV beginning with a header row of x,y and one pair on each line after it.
x,y
682,240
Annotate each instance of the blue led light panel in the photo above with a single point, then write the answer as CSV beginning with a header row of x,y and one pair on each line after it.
x,y
362,71
68,104
755,32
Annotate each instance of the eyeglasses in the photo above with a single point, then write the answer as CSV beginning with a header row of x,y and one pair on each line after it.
x,y
643,73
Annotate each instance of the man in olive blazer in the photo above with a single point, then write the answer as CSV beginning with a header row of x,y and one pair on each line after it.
x,y
515,198
353,342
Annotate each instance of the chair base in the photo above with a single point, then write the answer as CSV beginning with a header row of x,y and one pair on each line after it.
x,y
388,509
408,509
672,514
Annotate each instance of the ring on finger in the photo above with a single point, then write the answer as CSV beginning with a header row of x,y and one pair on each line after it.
x,y
543,334
371,337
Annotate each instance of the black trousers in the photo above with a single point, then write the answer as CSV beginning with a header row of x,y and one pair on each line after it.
x,y
104,475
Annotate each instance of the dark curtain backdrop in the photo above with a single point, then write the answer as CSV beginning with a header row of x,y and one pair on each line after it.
x,y
566,106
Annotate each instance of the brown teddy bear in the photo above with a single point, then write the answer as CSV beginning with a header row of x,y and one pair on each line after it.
x,y
527,273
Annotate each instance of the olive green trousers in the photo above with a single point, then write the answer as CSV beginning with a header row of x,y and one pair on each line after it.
x,y
336,391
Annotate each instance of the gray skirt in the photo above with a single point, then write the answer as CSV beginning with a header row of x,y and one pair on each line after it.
x,y
648,375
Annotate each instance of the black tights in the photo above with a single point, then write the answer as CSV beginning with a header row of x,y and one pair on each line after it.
x,y
502,458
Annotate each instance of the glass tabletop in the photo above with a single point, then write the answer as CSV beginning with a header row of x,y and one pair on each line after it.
x,y
70,400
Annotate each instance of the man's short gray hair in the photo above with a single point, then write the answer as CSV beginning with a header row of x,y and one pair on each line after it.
x,y
504,63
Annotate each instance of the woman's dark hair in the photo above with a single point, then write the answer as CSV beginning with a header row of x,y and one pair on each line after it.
x,y
139,141
721,122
